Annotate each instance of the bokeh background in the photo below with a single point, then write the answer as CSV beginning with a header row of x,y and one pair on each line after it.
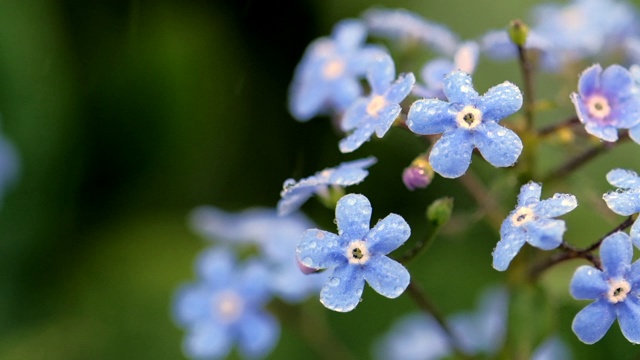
x,y
128,114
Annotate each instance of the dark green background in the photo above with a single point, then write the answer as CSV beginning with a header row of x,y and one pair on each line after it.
x,y
127,114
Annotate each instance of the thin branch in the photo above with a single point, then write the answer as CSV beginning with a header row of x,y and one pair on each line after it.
x,y
551,129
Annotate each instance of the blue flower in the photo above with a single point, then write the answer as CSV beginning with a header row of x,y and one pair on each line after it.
x,y
552,348
414,337
532,221
626,199
468,121
497,45
376,112
615,290
357,254
606,102
275,238
225,307
433,73
294,194
327,77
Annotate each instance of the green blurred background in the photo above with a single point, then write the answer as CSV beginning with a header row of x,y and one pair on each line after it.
x,y
127,114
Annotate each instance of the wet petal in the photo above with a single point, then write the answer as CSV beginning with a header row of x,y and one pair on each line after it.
x,y
349,34
529,193
629,319
387,277
258,334
588,283
498,145
589,80
616,82
386,117
353,215
511,240
500,101
352,172
616,253
622,178
458,88
431,116
388,234
623,203
545,234
592,322
343,290
559,204
381,73
635,234
401,87
451,155
634,133
320,249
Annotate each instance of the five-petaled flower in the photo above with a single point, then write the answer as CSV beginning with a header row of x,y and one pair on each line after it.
x,y
294,194
376,112
356,253
468,121
224,307
327,77
605,101
614,289
532,221
626,199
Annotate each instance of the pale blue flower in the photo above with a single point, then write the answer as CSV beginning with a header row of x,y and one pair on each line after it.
x,y
615,290
356,254
497,45
275,238
626,199
294,194
225,307
413,337
468,121
606,101
327,78
403,25
376,112
532,222
433,73
552,349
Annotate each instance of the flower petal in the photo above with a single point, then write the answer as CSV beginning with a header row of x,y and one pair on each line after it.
x,y
258,334
355,114
381,73
545,234
616,253
458,88
635,233
388,234
589,80
344,92
208,340
529,193
511,240
623,203
498,145
401,88
358,137
559,204
320,249
634,133
343,289
605,132
352,172
588,283
500,101
386,117
633,276
616,82
431,116
191,304
622,178
592,322
387,277
451,155
353,215
216,266
349,34
628,318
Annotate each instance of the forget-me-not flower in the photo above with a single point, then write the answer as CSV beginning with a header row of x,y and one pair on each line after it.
x,y
606,102
376,112
615,290
465,59
274,237
413,337
626,199
225,307
532,222
466,122
294,194
551,349
327,77
356,253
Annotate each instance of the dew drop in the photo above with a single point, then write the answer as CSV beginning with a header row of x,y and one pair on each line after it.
x,y
334,281
288,184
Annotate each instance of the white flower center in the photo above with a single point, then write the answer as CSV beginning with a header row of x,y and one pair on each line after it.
x,y
357,252
469,117
228,305
618,290
573,17
375,105
598,106
522,216
333,69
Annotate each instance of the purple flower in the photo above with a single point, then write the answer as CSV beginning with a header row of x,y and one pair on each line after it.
x,y
532,221
606,101
615,290
356,253
327,77
225,307
468,121
294,194
376,112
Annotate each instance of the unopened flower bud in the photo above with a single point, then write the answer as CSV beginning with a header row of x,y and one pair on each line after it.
x,y
419,174
518,32
439,212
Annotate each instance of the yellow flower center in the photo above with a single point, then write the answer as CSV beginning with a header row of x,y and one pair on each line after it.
x,y
375,105
333,69
228,305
